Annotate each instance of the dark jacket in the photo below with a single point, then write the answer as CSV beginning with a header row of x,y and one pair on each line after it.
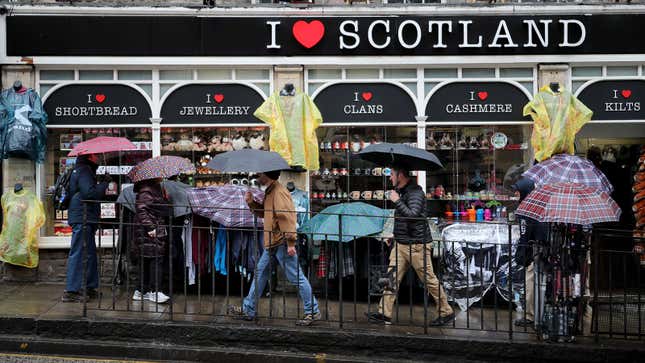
x,y
530,229
83,186
151,213
410,224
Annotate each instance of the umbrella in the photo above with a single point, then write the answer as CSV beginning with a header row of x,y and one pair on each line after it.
x,y
400,155
573,203
568,169
225,204
161,167
359,220
102,145
248,161
176,192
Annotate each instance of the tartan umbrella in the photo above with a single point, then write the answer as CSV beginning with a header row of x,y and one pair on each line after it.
x,y
573,203
225,204
102,145
568,169
161,167
359,220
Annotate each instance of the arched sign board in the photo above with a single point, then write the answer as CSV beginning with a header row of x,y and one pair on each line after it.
x,y
211,104
615,99
365,102
97,104
477,102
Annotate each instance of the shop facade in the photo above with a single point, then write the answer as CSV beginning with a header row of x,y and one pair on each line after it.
x,y
453,82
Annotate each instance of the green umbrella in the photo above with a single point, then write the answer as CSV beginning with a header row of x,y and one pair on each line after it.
x,y
359,220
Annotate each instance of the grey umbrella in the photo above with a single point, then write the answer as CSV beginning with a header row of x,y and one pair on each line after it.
x,y
176,192
248,161
390,154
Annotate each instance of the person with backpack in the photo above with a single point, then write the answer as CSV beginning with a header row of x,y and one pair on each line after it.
x,y
83,217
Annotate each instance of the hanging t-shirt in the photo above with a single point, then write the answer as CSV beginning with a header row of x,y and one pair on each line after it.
x,y
557,118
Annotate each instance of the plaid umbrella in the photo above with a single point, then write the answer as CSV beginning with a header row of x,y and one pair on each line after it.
x,y
102,145
568,169
569,203
225,204
161,167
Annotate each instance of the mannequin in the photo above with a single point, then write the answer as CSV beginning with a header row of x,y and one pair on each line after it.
x,y
18,87
555,87
291,186
288,90
17,188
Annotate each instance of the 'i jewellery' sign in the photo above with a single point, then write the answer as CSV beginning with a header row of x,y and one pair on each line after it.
x,y
615,99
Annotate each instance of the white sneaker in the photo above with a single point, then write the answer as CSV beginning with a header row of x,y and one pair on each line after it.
x,y
137,295
156,297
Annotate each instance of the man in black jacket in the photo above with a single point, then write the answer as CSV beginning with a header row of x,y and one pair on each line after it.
x,y
411,247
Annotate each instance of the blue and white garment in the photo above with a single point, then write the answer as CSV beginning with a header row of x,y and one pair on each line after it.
x,y
301,203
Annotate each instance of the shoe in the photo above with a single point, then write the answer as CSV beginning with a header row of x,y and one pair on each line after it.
x,y
443,320
72,296
309,319
137,295
239,313
524,322
156,297
378,318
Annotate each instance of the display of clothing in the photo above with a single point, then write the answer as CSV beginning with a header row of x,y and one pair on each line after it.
x,y
301,203
23,216
557,118
219,261
293,121
23,122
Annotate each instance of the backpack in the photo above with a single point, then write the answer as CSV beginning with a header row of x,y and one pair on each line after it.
x,y
62,195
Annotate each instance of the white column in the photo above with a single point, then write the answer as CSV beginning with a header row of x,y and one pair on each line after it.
x,y
421,144
156,136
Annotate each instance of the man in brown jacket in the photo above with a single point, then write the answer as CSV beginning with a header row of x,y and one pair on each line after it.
x,y
279,242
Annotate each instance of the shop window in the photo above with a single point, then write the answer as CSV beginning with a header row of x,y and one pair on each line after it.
x,y
163,88
176,75
586,72
528,86
478,73
480,165
324,74
344,177
147,88
516,72
59,144
201,144
265,87
44,88
57,75
92,75
400,73
412,86
429,86
575,85
251,74
622,71
362,73
312,88
214,74
440,73
135,75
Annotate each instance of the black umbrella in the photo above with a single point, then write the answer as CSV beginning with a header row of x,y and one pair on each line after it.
x,y
248,161
406,156
176,192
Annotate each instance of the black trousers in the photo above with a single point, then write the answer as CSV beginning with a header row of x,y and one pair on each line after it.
x,y
151,274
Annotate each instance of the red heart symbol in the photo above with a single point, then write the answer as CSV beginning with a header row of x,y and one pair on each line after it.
x,y
483,95
367,96
218,97
308,34
626,93
100,98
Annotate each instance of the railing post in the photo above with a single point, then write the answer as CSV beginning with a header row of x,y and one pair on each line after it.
x,y
84,259
340,269
509,280
594,247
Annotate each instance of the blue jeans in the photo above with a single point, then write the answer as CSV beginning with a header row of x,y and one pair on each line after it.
x,y
75,259
294,275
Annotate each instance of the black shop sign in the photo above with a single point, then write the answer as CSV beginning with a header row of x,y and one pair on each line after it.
x,y
615,99
211,104
393,35
477,102
365,102
97,104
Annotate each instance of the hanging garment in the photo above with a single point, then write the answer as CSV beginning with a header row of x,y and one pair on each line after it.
x,y
23,125
23,216
301,203
557,117
187,238
293,121
219,260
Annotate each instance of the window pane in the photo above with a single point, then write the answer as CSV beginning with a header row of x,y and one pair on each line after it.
x,y
265,87
528,86
586,71
622,71
147,88
576,84
313,87
412,86
429,86
362,73
163,88
106,75
44,88
478,73
135,75
516,72
252,74
185,74
400,73
440,73
324,74
57,75
214,74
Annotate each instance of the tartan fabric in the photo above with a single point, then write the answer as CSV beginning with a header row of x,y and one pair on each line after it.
x,y
224,204
569,203
568,169
321,272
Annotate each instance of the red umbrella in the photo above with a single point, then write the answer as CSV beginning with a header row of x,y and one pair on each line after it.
x,y
569,203
102,145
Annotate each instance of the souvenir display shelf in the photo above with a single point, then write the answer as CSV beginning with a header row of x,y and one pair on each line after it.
x,y
199,145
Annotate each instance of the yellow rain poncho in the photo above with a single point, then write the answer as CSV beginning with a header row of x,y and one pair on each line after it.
x,y
557,118
293,121
23,216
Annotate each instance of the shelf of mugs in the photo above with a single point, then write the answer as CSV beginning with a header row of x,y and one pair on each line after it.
x,y
340,172
355,195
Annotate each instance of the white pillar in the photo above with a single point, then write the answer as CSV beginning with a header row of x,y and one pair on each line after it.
x,y
156,136
421,144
